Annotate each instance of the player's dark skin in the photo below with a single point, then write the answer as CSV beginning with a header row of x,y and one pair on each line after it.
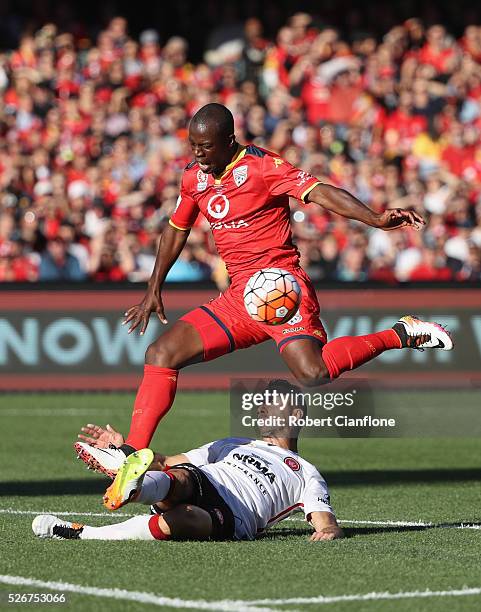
x,y
181,345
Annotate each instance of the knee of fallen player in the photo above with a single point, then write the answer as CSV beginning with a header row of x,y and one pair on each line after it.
x,y
182,488
186,522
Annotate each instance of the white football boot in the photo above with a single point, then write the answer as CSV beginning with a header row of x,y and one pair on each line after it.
x,y
419,334
105,460
49,526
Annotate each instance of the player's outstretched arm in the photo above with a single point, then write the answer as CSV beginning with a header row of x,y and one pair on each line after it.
x,y
326,527
171,244
343,203
102,437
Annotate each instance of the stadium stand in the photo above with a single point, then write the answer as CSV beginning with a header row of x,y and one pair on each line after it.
x,y
94,141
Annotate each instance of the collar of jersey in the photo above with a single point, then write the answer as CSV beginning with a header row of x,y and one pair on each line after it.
x,y
228,168
286,450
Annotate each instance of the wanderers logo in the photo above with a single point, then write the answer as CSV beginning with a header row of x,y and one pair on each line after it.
x,y
292,463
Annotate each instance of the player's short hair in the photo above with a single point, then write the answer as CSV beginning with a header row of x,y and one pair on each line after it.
x,y
285,387
214,115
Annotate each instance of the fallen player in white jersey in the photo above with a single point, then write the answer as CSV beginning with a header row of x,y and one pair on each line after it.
x,y
234,488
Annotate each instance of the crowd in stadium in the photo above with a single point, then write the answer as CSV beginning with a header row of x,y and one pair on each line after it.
x,y
94,141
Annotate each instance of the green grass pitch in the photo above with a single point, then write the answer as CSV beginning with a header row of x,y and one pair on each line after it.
x,y
382,480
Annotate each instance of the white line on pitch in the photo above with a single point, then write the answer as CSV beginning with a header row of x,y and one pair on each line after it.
x,y
55,412
59,513
475,526
137,596
100,411
229,605
411,524
292,519
324,599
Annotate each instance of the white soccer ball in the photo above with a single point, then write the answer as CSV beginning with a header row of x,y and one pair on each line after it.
x,y
272,296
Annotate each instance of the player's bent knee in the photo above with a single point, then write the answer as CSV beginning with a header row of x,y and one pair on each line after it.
x,y
159,354
312,374
188,522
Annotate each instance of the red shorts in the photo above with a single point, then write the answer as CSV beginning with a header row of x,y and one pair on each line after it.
x,y
224,324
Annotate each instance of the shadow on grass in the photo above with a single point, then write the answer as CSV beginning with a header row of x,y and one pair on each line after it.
x,y
391,477
88,486
40,488
350,532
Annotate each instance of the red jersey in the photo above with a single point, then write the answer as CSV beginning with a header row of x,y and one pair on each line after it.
x,y
247,208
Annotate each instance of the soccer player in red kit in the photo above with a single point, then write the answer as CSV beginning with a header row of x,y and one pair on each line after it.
x,y
243,191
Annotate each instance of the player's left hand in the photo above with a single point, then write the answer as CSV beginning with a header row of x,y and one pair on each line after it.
x,y
100,437
395,218
327,533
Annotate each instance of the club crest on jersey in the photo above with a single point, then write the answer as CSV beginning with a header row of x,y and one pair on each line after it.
x,y
292,463
202,180
218,206
278,161
240,175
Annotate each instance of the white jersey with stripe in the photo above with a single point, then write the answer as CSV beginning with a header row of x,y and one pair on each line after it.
x,y
261,483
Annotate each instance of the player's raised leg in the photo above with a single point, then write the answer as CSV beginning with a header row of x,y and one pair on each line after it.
x,y
180,346
313,364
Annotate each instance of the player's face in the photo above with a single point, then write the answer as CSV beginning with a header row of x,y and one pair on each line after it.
x,y
212,151
279,427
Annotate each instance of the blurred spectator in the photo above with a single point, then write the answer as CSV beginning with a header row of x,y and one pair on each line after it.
x,y
94,142
57,264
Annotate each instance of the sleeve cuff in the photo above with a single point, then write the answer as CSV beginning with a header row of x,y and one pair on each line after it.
x,y
308,190
177,227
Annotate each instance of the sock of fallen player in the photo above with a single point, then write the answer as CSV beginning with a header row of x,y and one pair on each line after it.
x,y
142,527
155,487
349,352
154,398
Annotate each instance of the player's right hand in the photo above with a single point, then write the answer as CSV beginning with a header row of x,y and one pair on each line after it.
x,y
140,314
100,437
328,533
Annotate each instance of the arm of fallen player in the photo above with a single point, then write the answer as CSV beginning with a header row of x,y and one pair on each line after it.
x,y
102,437
325,525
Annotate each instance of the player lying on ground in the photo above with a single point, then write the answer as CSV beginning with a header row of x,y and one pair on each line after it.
x,y
243,191
230,488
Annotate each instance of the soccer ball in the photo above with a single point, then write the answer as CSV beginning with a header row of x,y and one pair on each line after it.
x,y
272,296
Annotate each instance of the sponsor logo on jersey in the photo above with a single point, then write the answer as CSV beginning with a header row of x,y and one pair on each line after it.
x,y
240,175
297,318
218,206
325,499
278,161
250,475
256,464
292,463
228,225
292,330
202,180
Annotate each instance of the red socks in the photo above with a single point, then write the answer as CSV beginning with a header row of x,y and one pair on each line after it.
x,y
154,399
350,352
155,529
